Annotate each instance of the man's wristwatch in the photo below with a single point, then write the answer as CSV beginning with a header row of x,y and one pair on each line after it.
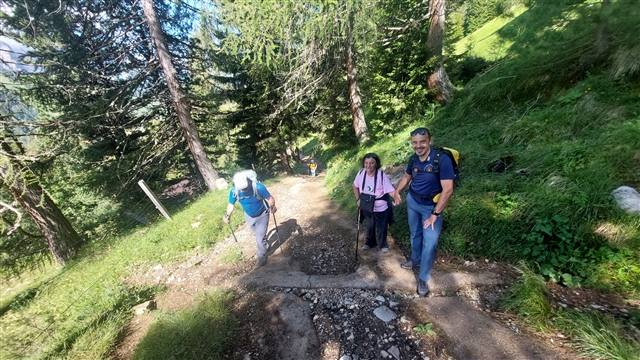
x,y
433,212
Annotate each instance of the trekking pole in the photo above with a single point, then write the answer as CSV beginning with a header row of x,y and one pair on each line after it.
x,y
237,243
277,232
358,235
266,204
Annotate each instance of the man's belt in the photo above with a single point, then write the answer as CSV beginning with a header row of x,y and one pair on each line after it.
x,y
428,198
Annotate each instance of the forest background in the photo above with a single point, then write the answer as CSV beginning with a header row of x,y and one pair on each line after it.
x,y
540,97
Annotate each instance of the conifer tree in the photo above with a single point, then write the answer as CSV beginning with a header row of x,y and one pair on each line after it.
x,y
23,185
101,85
438,79
183,110
305,46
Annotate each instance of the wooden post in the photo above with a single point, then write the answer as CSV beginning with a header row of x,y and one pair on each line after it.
x,y
154,199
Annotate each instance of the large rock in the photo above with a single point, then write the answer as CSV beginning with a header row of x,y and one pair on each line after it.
x,y
221,184
144,307
384,313
627,198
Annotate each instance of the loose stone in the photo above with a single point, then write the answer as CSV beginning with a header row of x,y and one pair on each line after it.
x,y
384,313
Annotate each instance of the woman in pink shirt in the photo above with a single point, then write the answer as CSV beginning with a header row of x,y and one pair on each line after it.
x,y
373,183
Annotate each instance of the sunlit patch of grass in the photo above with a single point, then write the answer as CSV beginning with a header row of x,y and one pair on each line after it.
x,y
485,42
616,233
203,332
14,291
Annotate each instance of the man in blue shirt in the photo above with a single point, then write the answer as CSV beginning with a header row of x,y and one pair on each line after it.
x,y
257,202
425,213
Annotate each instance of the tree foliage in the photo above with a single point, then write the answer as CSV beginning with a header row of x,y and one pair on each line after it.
x,y
100,91
297,52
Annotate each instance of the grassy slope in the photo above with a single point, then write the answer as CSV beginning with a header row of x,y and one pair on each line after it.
x,y
552,107
576,135
79,313
486,42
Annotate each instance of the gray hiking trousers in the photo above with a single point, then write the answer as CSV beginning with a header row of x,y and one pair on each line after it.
x,y
259,227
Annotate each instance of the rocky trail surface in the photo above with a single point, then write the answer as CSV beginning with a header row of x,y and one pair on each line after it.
x,y
313,300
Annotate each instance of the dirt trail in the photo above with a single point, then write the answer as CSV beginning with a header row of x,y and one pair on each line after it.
x,y
313,300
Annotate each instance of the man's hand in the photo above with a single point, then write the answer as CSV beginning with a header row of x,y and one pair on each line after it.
x,y
273,209
226,218
397,200
430,221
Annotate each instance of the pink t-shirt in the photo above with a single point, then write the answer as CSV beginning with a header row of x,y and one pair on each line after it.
x,y
383,186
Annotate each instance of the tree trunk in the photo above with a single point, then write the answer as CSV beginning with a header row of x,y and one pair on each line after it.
x,y
16,177
438,80
284,161
602,35
209,174
359,123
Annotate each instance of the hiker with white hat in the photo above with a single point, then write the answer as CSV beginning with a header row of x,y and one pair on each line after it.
x,y
257,203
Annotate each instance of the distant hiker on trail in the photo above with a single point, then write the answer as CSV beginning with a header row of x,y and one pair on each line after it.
x,y
254,199
312,167
425,215
372,188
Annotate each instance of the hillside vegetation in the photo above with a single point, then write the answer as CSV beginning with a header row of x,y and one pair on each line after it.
x,y
545,134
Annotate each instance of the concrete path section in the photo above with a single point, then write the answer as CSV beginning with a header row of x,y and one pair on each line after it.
x,y
477,336
294,323
376,271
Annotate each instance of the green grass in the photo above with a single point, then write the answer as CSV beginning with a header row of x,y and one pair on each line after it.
x,y
529,298
203,332
230,256
18,290
595,334
486,42
554,108
600,336
79,313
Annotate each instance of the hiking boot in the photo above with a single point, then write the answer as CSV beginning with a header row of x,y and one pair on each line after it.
x,y
423,288
366,247
409,265
384,250
262,260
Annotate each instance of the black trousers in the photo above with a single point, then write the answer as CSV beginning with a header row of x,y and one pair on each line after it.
x,y
377,222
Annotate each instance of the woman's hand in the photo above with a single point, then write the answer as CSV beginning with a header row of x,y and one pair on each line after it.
x,y
396,199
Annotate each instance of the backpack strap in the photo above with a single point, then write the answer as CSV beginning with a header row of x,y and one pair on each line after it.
x,y
255,190
385,196
375,179
436,172
254,187
412,160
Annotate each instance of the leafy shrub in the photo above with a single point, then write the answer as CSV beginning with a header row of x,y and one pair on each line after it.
x,y
561,256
